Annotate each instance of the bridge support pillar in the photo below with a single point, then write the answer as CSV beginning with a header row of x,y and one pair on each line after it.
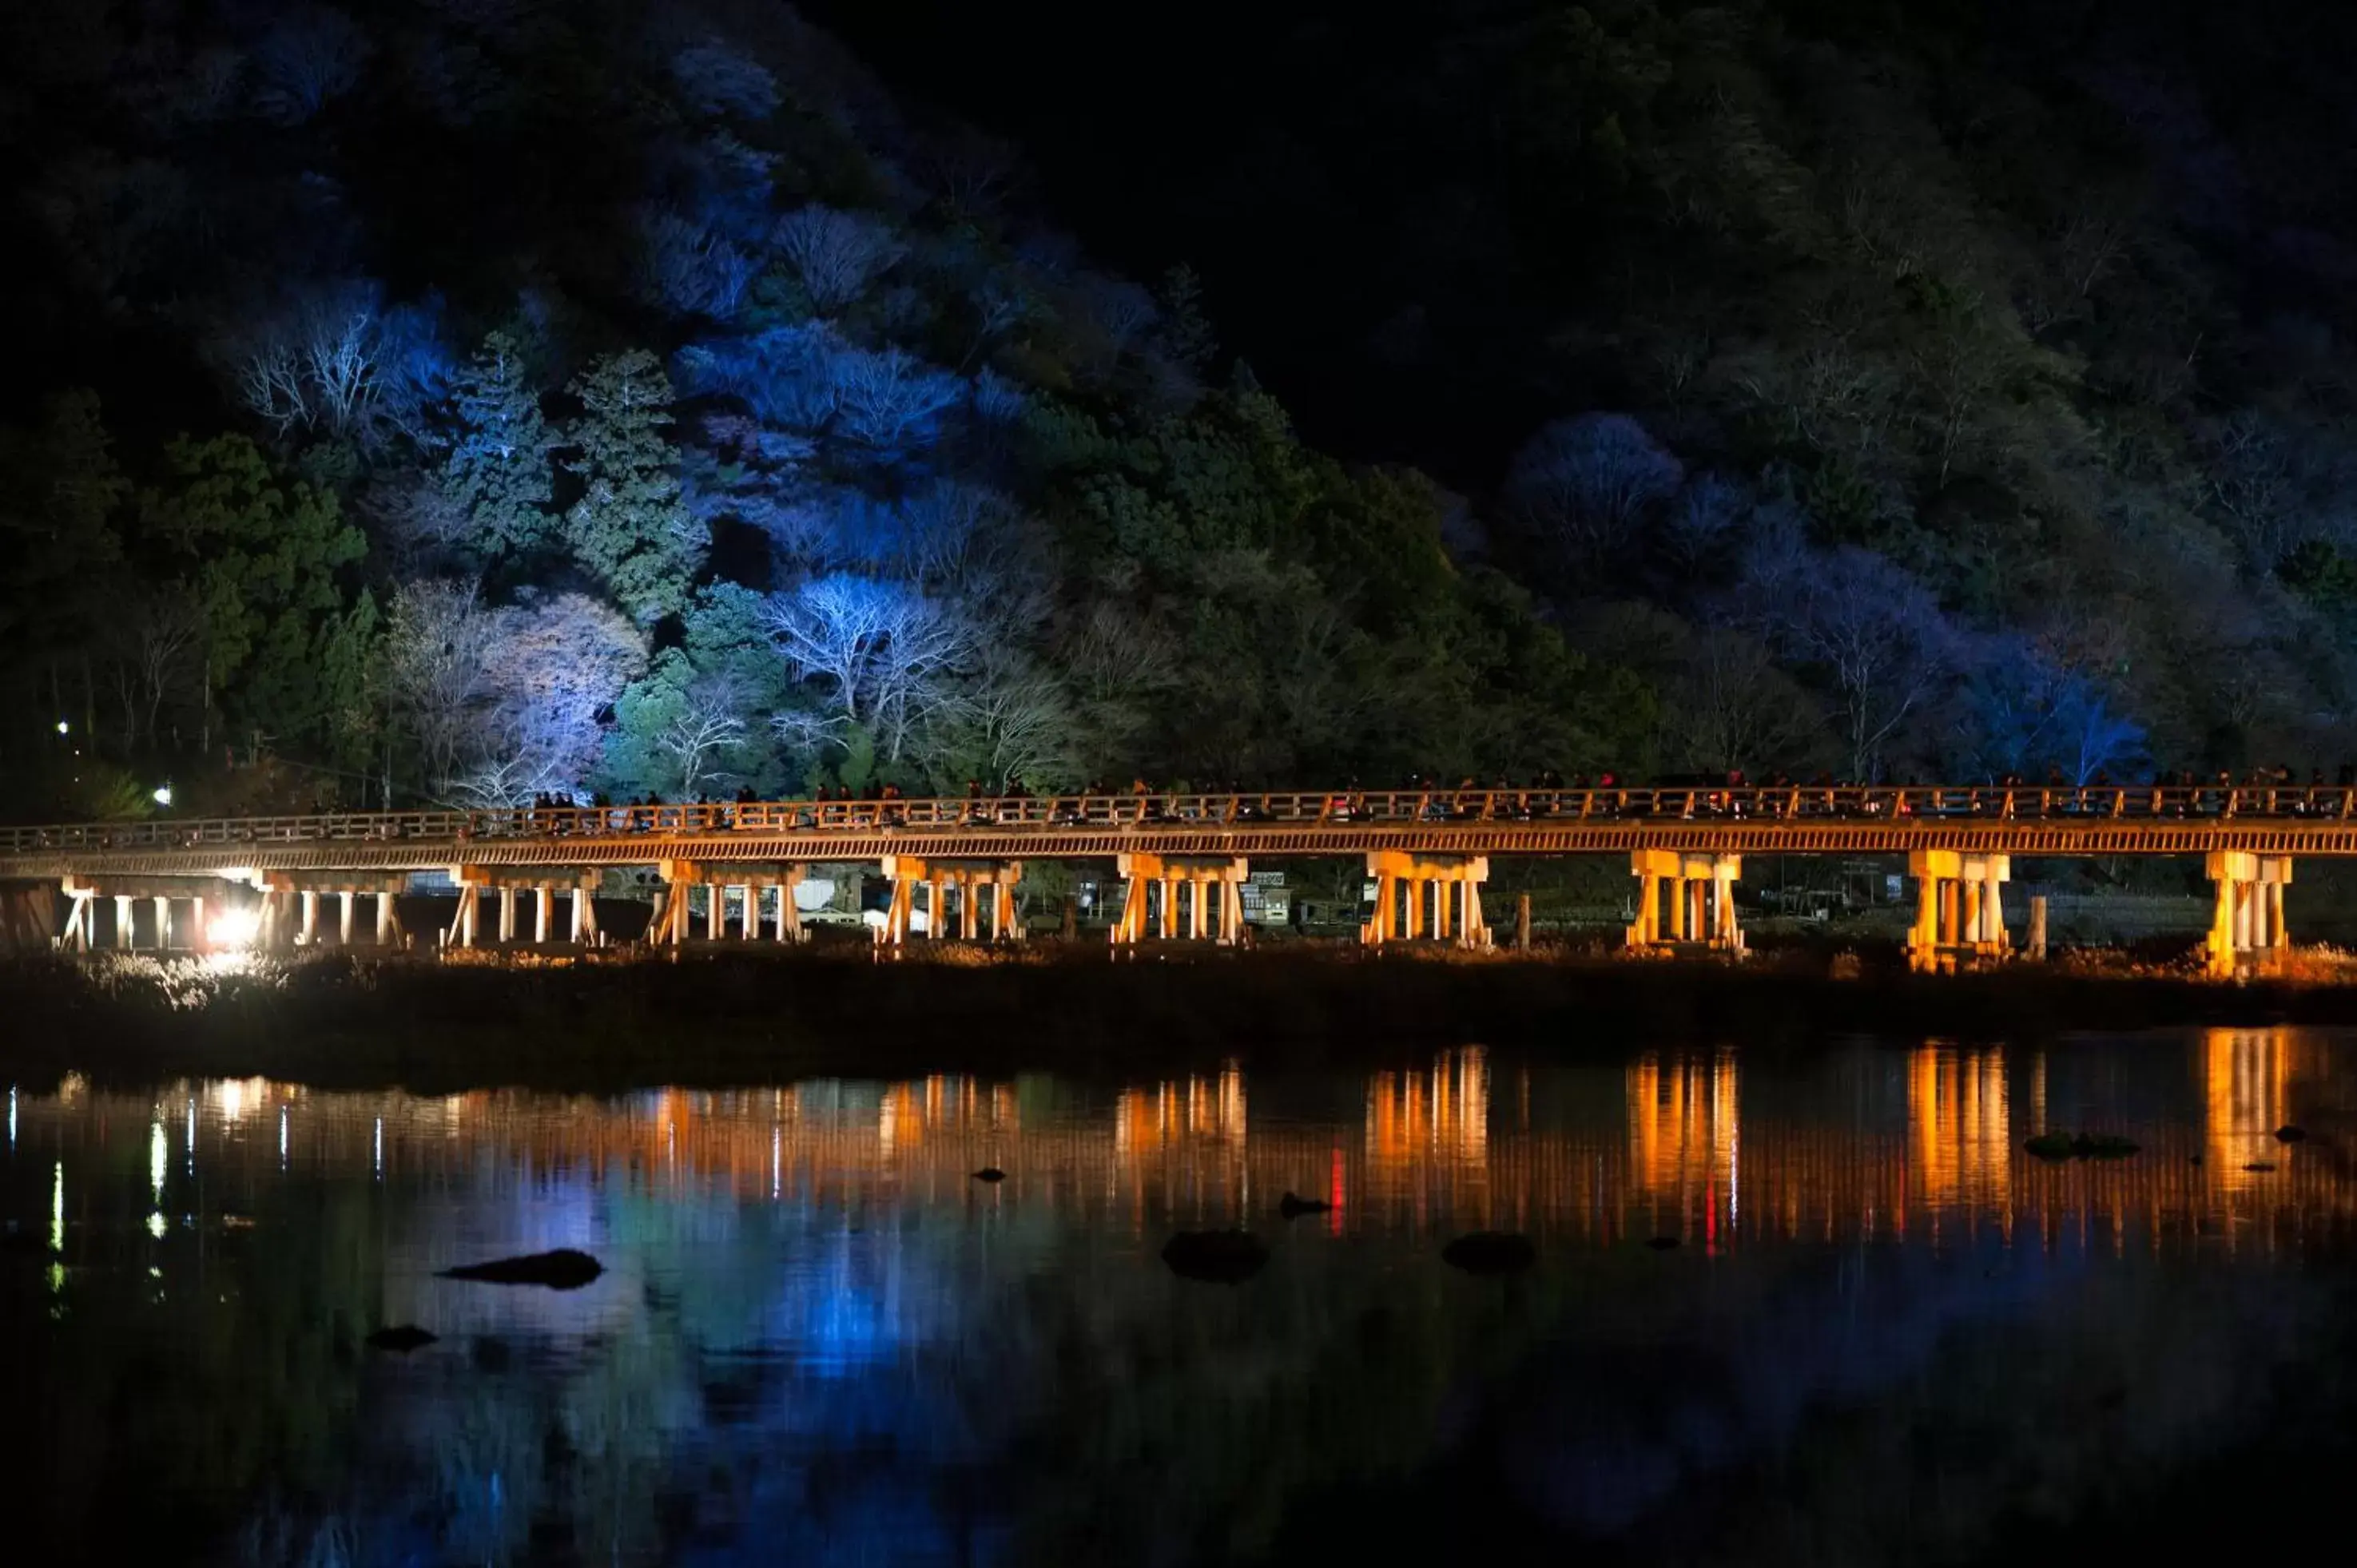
x,y
1959,909
973,883
2246,930
1699,891
81,919
1441,894
123,928
309,935
388,923
1159,886
790,927
344,919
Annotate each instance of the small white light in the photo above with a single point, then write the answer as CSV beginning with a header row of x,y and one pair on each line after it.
x,y
162,795
64,729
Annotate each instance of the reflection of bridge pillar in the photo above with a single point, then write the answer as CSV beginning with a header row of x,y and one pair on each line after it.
x,y
1699,890
2247,930
1959,908
1459,875
1148,875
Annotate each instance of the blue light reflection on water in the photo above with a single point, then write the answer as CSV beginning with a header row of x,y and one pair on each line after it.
x,y
819,1340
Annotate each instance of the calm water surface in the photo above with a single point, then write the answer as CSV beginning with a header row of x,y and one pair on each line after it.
x,y
1889,1333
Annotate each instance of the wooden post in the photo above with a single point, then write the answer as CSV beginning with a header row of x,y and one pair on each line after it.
x,y
1071,916
2038,928
1522,922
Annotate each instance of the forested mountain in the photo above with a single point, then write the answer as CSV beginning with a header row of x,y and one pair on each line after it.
x,y
463,399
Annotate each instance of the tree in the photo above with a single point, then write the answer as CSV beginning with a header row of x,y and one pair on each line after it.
x,y
2028,713
1864,625
630,527
1582,485
887,400
308,60
260,558
679,729
1011,722
708,724
435,675
880,651
1730,707
156,656
836,254
498,466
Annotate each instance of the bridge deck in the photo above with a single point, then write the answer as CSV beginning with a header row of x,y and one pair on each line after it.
x,y
1769,821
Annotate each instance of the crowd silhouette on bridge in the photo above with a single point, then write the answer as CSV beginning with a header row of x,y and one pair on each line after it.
x,y
2276,793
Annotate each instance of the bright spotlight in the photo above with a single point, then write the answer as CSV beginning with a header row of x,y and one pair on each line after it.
x,y
234,929
161,794
64,729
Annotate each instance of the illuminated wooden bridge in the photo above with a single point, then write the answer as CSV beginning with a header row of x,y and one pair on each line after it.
x,y
1185,858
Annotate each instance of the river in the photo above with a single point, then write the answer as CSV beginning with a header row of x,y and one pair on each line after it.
x,y
1886,1332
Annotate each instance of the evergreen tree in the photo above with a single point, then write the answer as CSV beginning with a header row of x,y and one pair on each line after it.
x,y
630,527
260,558
498,469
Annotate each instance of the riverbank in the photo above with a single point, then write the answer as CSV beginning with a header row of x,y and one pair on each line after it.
x,y
737,1016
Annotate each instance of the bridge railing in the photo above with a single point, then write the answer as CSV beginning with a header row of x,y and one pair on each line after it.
x,y
1790,803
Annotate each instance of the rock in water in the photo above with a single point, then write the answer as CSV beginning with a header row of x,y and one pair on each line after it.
x,y
1664,1243
2050,1146
564,1269
404,1338
2258,1165
1491,1252
990,1173
1293,1208
2103,1146
2289,1134
1220,1257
